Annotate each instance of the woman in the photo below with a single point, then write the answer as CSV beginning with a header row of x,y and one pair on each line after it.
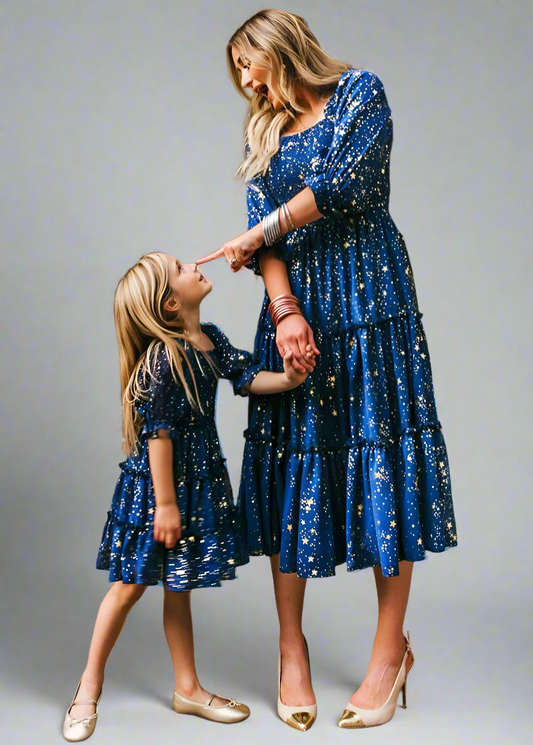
x,y
352,466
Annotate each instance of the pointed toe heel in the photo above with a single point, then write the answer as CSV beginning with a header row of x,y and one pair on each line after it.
x,y
298,717
356,718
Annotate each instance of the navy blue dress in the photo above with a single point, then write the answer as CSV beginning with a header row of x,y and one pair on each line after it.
x,y
352,465
212,545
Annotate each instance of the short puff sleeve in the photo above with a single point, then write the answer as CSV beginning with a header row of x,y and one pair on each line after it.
x,y
234,364
166,400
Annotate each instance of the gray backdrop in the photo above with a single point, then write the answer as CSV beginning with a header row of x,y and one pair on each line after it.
x,y
120,135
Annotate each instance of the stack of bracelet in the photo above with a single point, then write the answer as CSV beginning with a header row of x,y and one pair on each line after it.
x,y
271,226
283,305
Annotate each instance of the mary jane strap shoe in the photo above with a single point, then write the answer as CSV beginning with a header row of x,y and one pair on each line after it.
x,y
77,730
229,713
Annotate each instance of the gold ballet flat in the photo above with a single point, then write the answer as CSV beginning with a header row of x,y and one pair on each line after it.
x,y
77,730
298,717
229,713
355,718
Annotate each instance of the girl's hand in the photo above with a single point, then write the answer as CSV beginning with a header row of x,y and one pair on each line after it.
x,y
296,335
294,377
167,524
240,249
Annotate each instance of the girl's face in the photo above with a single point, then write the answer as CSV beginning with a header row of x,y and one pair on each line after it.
x,y
256,78
189,284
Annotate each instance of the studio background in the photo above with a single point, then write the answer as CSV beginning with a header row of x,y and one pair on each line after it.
x,y
120,135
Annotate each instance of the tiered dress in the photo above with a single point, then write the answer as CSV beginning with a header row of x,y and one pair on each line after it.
x,y
352,465
212,544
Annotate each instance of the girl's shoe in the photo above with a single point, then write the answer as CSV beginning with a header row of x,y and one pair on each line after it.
x,y
355,717
76,730
229,713
299,717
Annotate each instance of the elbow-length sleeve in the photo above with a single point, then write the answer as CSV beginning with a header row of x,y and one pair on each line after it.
x,y
166,399
236,365
355,170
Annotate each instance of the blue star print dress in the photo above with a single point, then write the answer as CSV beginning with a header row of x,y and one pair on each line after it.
x,y
352,465
212,544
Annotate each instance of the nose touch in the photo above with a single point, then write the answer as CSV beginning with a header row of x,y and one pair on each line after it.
x,y
190,267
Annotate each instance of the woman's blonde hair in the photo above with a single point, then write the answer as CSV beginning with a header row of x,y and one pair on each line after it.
x,y
144,329
283,44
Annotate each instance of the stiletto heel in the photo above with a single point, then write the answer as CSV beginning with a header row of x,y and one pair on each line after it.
x,y
299,717
355,718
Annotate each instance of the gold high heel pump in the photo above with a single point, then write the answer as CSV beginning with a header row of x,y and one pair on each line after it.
x,y
229,713
354,717
299,717
77,730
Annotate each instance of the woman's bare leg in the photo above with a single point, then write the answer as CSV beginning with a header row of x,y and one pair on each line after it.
x,y
389,644
110,620
177,622
289,590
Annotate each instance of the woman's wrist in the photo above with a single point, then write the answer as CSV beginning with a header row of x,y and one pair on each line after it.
x,y
168,499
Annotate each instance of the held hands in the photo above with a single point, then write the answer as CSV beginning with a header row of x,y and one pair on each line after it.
x,y
240,250
294,377
167,524
295,335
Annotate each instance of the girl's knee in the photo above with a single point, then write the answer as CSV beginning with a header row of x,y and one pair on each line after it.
x,y
128,595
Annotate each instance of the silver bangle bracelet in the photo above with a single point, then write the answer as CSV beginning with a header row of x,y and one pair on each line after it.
x,y
271,227
287,215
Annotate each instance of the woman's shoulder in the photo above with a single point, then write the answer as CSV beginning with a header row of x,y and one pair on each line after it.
x,y
357,82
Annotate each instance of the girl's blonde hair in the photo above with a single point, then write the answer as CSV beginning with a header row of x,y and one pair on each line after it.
x,y
283,44
144,328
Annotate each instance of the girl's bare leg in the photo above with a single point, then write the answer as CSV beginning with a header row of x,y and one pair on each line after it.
x,y
110,620
289,590
389,644
177,622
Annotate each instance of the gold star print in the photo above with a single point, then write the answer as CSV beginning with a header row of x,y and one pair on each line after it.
x,y
151,511
231,561
393,523
263,431
399,381
289,527
416,347
388,537
441,464
419,541
310,558
305,541
334,412
449,526
118,543
313,531
346,244
360,507
352,175
302,522
314,572
455,538
376,373
423,356
361,285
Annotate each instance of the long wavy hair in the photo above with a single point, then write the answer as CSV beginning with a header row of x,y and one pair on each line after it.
x,y
281,43
144,328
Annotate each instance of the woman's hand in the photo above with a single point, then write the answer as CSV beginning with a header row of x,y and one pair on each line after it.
x,y
295,334
240,250
167,524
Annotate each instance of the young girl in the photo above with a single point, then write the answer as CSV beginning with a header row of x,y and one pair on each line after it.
x,y
172,518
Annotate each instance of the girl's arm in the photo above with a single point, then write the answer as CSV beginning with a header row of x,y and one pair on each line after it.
x,y
266,383
167,518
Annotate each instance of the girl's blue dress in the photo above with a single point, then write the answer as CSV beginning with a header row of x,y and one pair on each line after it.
x,y
352,465
212,545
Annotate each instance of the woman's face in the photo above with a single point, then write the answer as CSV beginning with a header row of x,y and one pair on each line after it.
x,y
189,284
256,77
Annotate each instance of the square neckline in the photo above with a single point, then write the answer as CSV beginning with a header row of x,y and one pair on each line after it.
x,y
326,106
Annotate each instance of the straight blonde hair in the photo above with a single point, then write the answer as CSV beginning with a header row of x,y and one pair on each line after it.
x,y
144,329
283,44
